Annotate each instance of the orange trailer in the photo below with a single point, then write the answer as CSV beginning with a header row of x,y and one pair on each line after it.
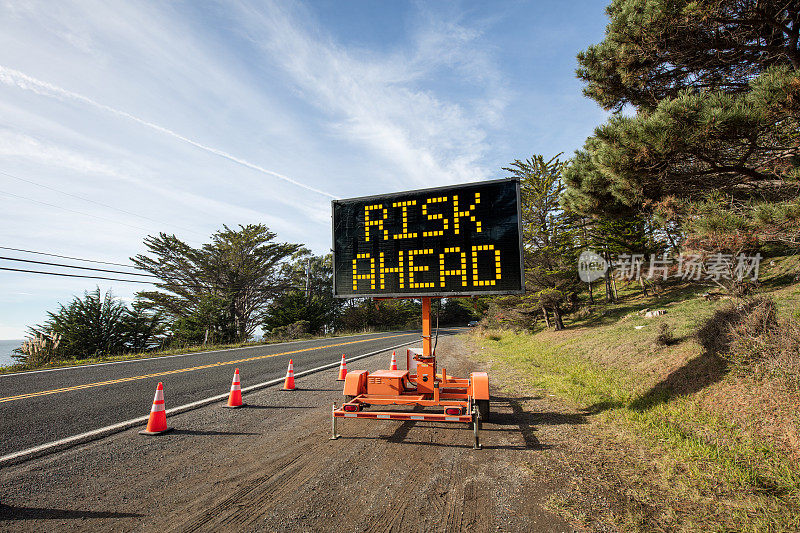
x,y
421,384
455,241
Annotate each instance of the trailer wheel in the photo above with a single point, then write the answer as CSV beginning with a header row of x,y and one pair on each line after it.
x,y
483,410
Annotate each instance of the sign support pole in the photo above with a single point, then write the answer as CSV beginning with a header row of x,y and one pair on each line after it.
x,y
426,326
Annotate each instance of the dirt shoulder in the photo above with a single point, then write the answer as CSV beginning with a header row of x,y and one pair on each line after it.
x,y
271,467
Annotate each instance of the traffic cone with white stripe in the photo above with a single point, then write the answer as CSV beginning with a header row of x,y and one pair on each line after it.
x,y
235,398
393,366
288,383
157,424
342,369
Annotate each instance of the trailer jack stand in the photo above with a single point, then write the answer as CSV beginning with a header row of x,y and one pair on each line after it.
x,y
476,428
334,434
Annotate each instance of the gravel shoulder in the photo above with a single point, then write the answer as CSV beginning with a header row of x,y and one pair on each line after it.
x,y
271,467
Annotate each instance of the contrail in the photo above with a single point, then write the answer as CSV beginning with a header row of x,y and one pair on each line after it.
x,y
23,81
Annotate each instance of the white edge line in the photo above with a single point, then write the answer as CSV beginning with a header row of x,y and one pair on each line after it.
x,y
25,372
68,442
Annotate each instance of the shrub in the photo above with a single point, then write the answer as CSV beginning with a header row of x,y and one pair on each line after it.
x,y
513,314
665,336
784,352
716,335
753,336
94,325
291,331
37,350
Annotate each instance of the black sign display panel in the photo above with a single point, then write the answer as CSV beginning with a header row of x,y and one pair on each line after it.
x,y
447,241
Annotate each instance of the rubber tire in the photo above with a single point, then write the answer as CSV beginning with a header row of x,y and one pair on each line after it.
x,y
483,410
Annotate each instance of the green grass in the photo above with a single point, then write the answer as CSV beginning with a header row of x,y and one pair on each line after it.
x,y
761,483
730,479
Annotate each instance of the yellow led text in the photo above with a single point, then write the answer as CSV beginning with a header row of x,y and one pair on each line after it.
x,y
407,270
422,268
443,272
396,270
378,222
405,206
464,214
435,216
498,271
370,276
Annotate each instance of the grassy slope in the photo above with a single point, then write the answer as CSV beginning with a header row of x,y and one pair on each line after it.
x,y
721,446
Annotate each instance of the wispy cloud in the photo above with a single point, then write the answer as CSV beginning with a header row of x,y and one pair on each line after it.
x,y
13,144
23,81
259,111
382,102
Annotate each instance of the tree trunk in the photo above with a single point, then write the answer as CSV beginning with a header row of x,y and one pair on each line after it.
x,y
591,296
546,317
611,292
557,318
643,286
669,236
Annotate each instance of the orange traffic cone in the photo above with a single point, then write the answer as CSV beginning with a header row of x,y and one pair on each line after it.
x,y
157,424
393,366
288,384
342,370
235,398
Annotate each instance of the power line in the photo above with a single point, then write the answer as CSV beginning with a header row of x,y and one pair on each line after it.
x,y
74,275
95,202
65,257
77,267
73,211
167,283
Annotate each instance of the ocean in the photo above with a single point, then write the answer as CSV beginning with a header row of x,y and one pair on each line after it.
x,y
6,347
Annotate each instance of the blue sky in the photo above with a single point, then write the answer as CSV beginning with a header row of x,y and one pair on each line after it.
x,y
182,116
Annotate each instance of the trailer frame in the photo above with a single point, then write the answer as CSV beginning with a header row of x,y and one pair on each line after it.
x,y
462,400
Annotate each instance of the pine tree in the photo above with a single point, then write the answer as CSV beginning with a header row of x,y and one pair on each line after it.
x,y
716,90
654,49
550,236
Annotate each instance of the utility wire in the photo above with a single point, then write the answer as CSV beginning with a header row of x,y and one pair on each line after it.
x,y
65,257
73,211
77,267
96,203
74,275
86,276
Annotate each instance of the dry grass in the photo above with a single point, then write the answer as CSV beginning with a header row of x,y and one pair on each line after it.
x,y
671,453
697,446
735,323
752,336
783,344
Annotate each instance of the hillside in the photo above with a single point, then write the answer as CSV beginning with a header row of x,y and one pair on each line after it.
x,y
688,439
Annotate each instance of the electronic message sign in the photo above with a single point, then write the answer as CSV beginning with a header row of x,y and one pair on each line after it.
x,y
447,241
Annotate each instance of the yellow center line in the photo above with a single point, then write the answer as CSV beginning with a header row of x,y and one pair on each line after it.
x,y
201,367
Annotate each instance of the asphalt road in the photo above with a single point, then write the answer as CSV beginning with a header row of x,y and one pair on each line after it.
x,y
272,467
41,407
